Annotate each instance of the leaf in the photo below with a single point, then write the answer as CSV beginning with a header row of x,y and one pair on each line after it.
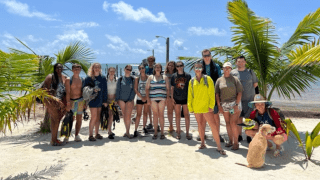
x,y
307,135
316,141
309,146
295,132
315,131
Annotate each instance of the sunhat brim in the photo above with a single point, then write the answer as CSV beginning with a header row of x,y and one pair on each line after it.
x,y
251,104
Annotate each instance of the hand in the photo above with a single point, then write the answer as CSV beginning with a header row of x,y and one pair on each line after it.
x,y
85,106
68,107
149,102
174,102
144,99
220,109
210,110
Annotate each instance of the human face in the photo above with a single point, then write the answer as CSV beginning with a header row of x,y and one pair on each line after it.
x,y
150,62
96,69
76,70
112,72
157,68
206,57
59,69
241,63
128,70
179,67
142,69
170,67
198,69
261,107
226,71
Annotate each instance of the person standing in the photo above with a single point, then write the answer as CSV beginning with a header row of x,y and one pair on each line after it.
x,y
228,95
149,71
55,85
112,88
249,83
213,70
99,83
201,102
179,97
125,96
140,89
157,90
75,100
169,71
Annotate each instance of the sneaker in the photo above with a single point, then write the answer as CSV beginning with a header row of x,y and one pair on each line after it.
x,y
249,139
149,126
198,138
135,134
221,139
66,140
240,138
77,139
145,130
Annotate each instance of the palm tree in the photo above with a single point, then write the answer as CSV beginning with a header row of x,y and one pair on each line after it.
x,y
275,67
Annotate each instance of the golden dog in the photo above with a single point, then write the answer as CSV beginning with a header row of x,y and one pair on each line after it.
x,y
258,146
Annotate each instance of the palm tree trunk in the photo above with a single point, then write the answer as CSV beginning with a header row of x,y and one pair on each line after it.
x,y
45,125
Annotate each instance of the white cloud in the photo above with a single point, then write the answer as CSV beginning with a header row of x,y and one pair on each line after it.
x,y
33,39
22,9
178,44
139,15
150,44
83,25
206,31
105,6
79,35
120,46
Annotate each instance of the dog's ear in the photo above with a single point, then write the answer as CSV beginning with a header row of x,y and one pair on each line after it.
x,y
264,130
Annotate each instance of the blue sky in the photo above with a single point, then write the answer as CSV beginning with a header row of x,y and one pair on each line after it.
x,y
124,31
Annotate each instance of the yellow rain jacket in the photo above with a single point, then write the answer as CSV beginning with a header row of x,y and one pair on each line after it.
x,y
204,96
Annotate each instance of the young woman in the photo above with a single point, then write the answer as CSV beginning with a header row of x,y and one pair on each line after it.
x,y
228,94
55,85
179,97
201,102
140,89
112,87
156,92
170,70
125,96
265,115
100,88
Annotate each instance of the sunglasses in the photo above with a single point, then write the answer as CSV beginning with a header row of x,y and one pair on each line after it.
x,y
59,67
206,55
179,66
141,68
129,69
198,68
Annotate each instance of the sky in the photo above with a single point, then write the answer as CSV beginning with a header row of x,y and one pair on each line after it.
x,y
124,31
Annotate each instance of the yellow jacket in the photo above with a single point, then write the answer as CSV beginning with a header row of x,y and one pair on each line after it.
x,y
204,97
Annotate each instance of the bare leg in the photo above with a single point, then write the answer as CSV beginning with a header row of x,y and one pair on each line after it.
x,y
150,114
145,114
201,123
216,118
226,116
162,106
139,112
78,123
187,118
127,120
170,109
178,118
94,114
209,118
234,127
110,120
240,120
155,110
97,123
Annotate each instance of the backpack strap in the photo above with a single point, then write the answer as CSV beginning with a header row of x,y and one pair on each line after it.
x,y
71,80
205,80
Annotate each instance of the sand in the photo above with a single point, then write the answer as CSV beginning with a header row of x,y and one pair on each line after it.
x,y
26,154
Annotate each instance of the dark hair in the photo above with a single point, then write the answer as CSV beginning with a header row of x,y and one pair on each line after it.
x,y
154,68
128,66
151,57
174,67
76,66
180,62
205,50
114,73
241,57
55,81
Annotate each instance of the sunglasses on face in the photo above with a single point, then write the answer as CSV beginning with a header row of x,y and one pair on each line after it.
x,y
179,66
59,67
141,68
206,55
198,68
129,69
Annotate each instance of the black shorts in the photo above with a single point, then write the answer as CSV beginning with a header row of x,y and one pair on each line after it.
x,y
141,102
183,102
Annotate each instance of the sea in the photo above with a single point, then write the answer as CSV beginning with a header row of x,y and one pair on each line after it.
x,y
310,99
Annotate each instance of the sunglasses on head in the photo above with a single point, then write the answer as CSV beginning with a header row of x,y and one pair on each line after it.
x,y
141,68
206,55
179,66
198,68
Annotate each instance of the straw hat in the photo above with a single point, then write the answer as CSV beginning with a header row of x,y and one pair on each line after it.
x,y
258,98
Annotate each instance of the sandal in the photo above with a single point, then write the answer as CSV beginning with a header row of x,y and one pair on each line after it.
x,y
171,130
202,146
189,137
127,136
229,144
222,152
56,143
162,136
235,147
278,152
155,136
135,134
178,136
111,136
98,136
91,138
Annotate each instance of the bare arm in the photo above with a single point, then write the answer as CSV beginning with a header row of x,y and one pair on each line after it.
x,y
136,88
148,89
167,87
47,82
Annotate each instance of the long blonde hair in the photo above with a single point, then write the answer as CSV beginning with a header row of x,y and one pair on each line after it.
x,y
90,71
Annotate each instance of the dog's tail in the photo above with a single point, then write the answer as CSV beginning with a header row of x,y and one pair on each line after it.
x,y
242,164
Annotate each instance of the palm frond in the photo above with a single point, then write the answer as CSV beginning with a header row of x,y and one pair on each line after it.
x,y
26,46
307,54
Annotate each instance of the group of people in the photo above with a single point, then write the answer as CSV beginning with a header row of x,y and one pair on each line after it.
x,y
234,94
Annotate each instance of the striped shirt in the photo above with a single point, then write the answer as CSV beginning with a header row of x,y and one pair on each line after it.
x,y
158,90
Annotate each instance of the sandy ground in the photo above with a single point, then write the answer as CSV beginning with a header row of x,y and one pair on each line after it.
x,y
26,154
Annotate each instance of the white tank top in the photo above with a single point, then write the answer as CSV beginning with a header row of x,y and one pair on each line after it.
x,y
142,88
112,87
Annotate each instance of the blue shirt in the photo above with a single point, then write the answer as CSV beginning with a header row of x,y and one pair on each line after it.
x,y
149,71
208,69
265,119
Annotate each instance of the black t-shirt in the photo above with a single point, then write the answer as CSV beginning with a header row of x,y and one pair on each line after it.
x,y
180,83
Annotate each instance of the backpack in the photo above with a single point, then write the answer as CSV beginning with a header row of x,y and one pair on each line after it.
x,y
205,82
282,117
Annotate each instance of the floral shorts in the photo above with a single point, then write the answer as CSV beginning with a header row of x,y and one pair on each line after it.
x,y
227,106
77,106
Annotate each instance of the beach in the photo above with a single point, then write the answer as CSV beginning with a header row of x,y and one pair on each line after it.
x,y
25,152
